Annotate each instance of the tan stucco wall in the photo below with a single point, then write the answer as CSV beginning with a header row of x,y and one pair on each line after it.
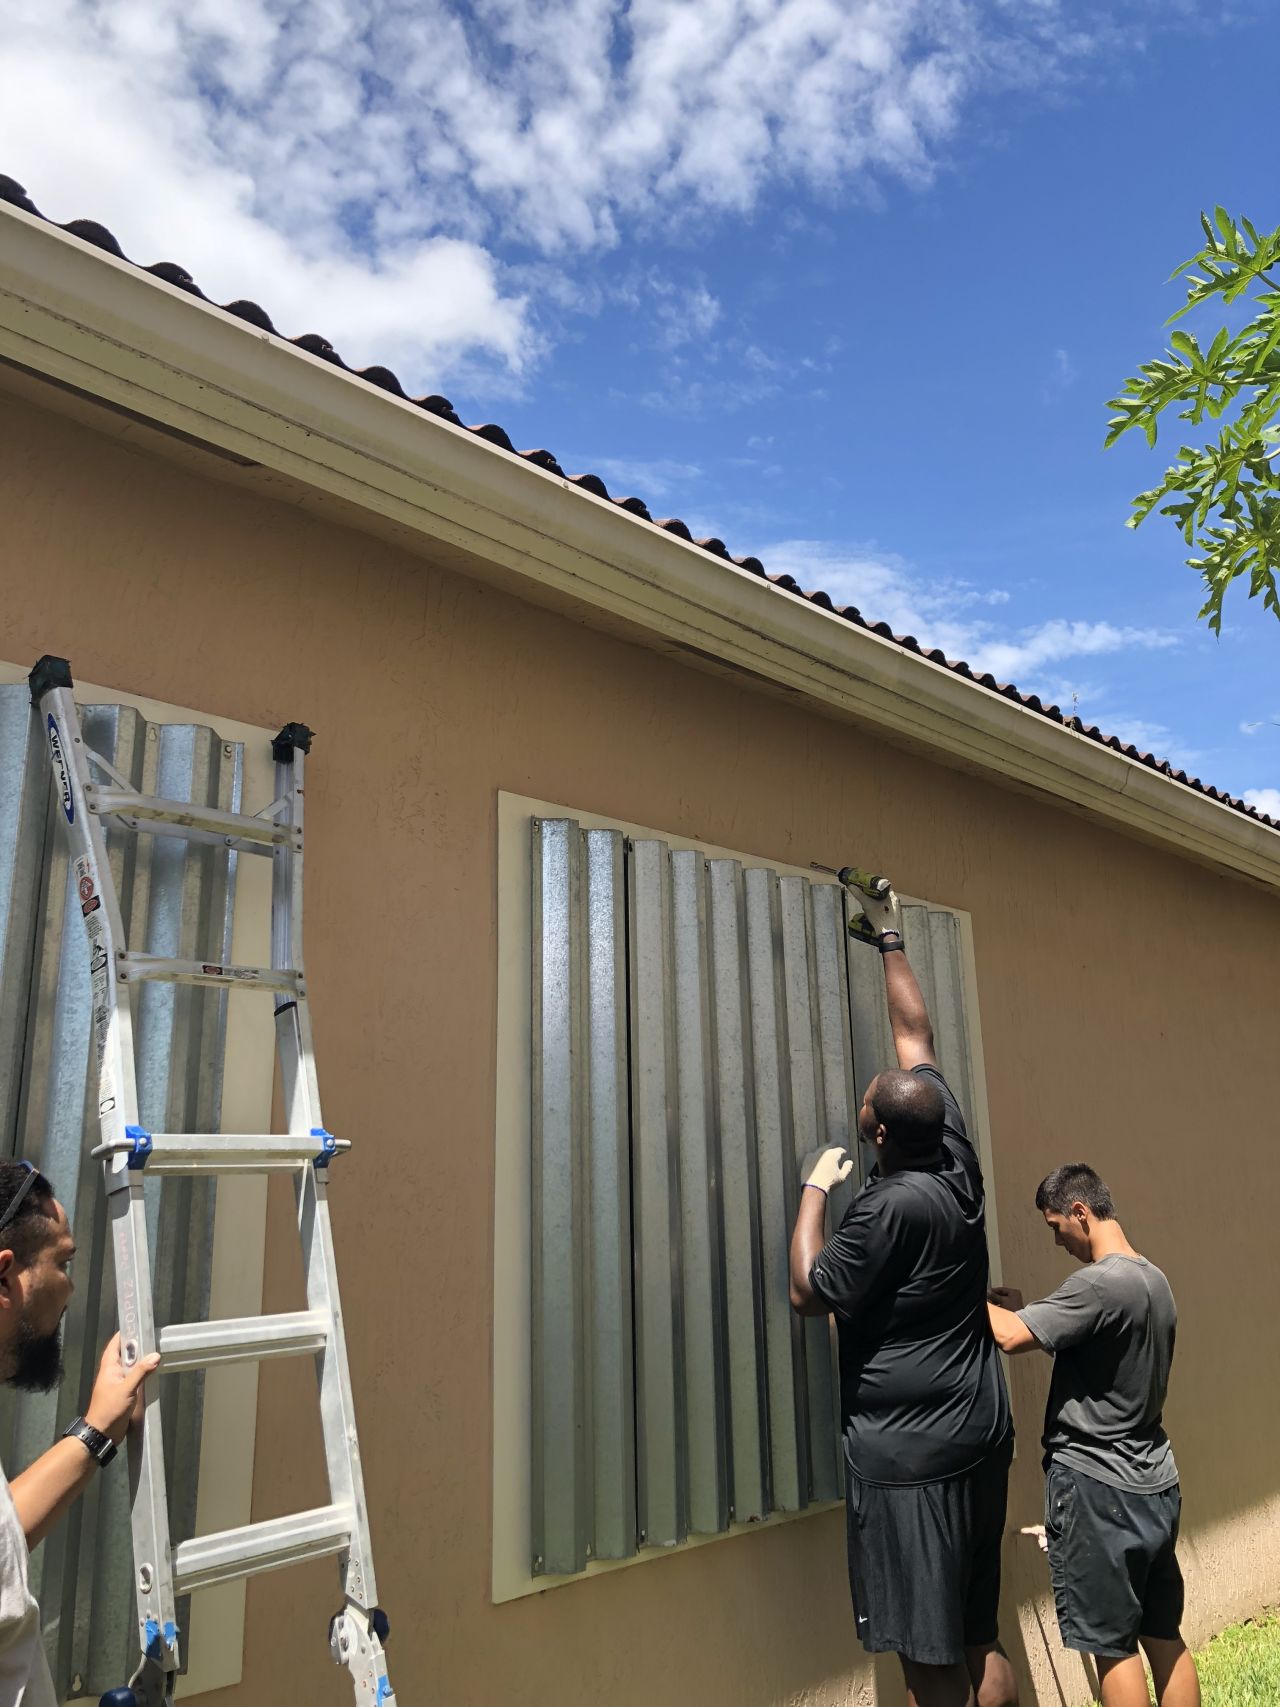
x,y
1128,1018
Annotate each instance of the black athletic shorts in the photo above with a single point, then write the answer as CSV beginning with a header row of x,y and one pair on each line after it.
x,y
924,1562
1111,1557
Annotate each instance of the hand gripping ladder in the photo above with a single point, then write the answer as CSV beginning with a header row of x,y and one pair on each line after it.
x,y
128,1153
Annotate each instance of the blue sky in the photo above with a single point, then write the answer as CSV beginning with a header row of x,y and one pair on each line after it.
x,y
847,284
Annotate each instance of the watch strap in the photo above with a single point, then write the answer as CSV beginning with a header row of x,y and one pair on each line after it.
x,y
100,1446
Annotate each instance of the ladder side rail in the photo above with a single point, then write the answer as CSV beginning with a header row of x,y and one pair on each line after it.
x,y
52,693
302,1102
356,1642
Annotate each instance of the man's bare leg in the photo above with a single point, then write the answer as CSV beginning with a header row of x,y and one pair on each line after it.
x,y
1123,1682
991,1675
937,1686
1174,1672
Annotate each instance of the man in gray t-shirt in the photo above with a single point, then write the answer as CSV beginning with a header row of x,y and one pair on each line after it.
x,y
1112,1500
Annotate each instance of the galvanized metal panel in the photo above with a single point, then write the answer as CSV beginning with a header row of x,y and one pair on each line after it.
x,y
950,1034
24,821
809,1132
918,942
840,1106
778,1189
182,897
611,1358
562,1472
748,1419
701,1254
831,978
661,1460
746,1030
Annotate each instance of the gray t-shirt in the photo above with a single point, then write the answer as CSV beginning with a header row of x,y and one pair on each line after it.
x,y
1111,1329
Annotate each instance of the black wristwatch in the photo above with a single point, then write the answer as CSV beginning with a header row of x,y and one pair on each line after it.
x,y
102,1449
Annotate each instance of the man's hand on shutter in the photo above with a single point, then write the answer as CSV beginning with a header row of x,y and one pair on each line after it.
x,y
827,1167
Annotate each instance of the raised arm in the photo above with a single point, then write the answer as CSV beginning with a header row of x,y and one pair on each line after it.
x,y
908,1016
880,923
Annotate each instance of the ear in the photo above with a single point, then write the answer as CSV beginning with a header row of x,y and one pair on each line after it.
x,y
9,1299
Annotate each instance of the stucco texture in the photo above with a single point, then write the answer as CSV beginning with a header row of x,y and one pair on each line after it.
x,y
1128,1015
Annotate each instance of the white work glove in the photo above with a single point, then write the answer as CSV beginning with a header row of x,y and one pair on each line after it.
x,y
826,1168
878,914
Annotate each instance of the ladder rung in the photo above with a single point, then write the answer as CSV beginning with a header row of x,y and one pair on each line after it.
x,y
242,1339
234,1553
134,968
225,1153
195,823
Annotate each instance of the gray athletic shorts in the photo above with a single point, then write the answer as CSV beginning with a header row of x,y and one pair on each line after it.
x,y
1112,1561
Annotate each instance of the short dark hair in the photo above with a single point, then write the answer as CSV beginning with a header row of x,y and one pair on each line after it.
x,y
911,1111
30,1230
1075,1183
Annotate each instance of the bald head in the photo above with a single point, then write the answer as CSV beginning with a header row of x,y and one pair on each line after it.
x,y
910,1110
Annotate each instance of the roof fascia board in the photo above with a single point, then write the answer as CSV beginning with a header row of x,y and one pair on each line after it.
x,y
79,315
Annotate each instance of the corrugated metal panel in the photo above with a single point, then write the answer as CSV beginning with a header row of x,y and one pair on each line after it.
x,y
662,1486
739,1193
177,900
698,1028
701,1255
612,1354
775,1151
808,1132
562,1484
950,1028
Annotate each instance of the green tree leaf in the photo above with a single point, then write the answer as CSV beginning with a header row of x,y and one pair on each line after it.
x,y
1223,496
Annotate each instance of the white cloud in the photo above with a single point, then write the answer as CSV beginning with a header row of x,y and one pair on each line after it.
x,y
360,164
1250,728
1062,376
943,613
656,479
1265,799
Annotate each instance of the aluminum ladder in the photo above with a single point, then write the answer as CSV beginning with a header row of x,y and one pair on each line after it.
x,y
129,1154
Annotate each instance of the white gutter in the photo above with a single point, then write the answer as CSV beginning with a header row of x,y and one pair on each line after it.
x,y
73,313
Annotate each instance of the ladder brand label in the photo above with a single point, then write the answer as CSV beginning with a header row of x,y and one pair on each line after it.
x,y
60,766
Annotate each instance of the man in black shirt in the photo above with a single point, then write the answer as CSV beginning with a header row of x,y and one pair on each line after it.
x,y
927,1430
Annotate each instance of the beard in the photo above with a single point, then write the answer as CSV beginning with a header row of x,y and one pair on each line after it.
x,y
37,1360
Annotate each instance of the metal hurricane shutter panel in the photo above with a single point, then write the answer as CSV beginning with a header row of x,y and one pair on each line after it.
x,y
612,1358
661,1461
783,1330
739,1192
178,898
561,1513
698,1027
949,1025
701,1259
808,1115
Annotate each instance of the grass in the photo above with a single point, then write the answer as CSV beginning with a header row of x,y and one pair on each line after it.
x,y
1241,1667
